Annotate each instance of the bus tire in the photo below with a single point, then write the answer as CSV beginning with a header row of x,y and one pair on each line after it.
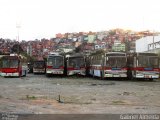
x,y
102,76
93,74
150,79
25,73
48,75
20,74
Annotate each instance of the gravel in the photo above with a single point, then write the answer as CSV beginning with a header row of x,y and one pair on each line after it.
x,y
56,94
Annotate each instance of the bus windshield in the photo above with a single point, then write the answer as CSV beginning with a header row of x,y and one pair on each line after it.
x,y
148,61
116,62
9,63
55,61
76,62
39,64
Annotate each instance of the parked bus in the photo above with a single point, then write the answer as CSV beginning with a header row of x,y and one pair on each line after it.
x,y
75,64
108,65
55,65
143,65
39,66
11,65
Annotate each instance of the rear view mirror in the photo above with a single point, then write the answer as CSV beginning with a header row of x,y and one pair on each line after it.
x,y
107,58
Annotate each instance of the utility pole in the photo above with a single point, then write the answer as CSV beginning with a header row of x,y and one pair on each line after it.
x,y
18,27
153,39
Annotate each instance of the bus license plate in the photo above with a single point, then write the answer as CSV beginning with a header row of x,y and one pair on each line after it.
x,y
9,74
115,75
147,76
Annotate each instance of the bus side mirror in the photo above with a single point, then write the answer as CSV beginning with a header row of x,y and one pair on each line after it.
x,y
107,58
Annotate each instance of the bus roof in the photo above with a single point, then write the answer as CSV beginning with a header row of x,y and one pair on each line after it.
x,y
11,57
39,61
55,55
75,55
143,53
147,54
115,54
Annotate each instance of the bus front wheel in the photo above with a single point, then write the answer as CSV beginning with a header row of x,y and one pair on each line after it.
x,y
48,75
102,76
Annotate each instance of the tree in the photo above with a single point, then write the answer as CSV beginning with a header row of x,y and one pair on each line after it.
x,y
28,57
17,49
112,32
127,45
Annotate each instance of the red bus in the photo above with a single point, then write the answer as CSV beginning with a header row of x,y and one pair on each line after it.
x,y
108,65
76,64
39,66
143,65
55,65
11,65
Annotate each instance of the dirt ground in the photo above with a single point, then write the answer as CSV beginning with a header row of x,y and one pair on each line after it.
x,y
77,95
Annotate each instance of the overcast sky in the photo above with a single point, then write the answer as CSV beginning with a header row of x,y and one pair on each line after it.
x,y
44,18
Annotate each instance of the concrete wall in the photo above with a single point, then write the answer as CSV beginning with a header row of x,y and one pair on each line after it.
x,y
147,43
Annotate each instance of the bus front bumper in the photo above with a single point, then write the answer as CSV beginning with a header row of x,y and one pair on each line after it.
x,y
54,72
9,74
110,73
38,71
154,75
115,75
78,72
